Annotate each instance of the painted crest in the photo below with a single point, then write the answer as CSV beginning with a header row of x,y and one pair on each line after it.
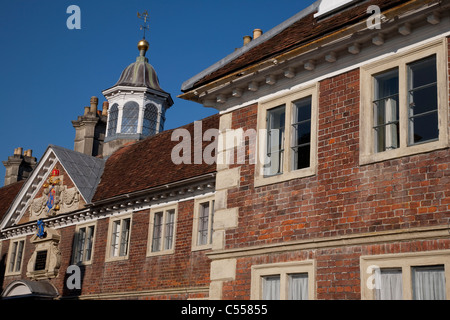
x,y
40,229
52,189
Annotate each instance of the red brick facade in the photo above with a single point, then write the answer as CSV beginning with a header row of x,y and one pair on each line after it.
x,y
342,199
138,273
344,212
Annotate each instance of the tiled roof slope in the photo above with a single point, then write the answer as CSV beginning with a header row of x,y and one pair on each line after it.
x,y
7,195
147,164
301,32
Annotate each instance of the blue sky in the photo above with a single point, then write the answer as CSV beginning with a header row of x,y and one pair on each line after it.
x,y
48,73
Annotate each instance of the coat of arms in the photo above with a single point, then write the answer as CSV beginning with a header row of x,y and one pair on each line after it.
x,y
56,198
52,190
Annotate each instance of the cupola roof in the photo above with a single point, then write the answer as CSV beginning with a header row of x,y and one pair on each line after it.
x,y
140,73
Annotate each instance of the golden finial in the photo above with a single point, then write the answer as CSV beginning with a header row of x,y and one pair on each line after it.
x,y
143,44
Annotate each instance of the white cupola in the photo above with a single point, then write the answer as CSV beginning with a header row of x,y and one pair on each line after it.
x,y
137,104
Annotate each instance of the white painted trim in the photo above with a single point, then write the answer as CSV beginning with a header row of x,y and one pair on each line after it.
x,y
27,185
403,261
328,6
334,73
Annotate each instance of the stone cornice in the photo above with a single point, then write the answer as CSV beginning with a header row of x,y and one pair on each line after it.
x,y
423,233
257,80
127,203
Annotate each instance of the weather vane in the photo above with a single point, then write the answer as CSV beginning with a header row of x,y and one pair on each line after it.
x,y
144,16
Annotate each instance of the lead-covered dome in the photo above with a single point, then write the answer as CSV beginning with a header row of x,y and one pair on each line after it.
x,y
140,73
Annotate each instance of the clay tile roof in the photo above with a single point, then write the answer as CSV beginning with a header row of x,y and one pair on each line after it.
x,y
7,195
147,164
305,30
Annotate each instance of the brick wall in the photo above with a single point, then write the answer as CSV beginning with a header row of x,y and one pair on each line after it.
x,y
337,269
183,269
343,198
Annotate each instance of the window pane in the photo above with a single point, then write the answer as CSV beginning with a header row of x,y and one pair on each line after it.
x,y
425,127
298,287
80,245
211,223
157,230
125,234
302,110
428,283
115,238
385,111
386,84
170,222
271,288
130,117
12,259
301,157
112,120
388,284
162,120
19,255
423,72
89,243
203,218
150,120
275,140
422,99
301,135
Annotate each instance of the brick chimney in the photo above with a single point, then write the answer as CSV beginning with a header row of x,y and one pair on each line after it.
x,y
90,129
19,166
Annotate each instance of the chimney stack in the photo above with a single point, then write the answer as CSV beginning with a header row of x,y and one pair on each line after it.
x,y
19,166
257,33
94,103
105,107
90,129
247,39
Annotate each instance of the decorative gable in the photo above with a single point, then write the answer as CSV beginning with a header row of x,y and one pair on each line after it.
x,y
57,195
63,181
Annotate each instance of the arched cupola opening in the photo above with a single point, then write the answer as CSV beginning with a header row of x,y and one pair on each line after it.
x,y
138,104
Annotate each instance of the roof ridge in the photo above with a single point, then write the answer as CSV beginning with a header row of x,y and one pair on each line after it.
x,y
190,83
159,134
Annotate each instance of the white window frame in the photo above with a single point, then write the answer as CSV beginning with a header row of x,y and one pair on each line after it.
x,y
164,210
10,251
195,227
76,242
401,61
112,220
287,100
283,270
405,262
